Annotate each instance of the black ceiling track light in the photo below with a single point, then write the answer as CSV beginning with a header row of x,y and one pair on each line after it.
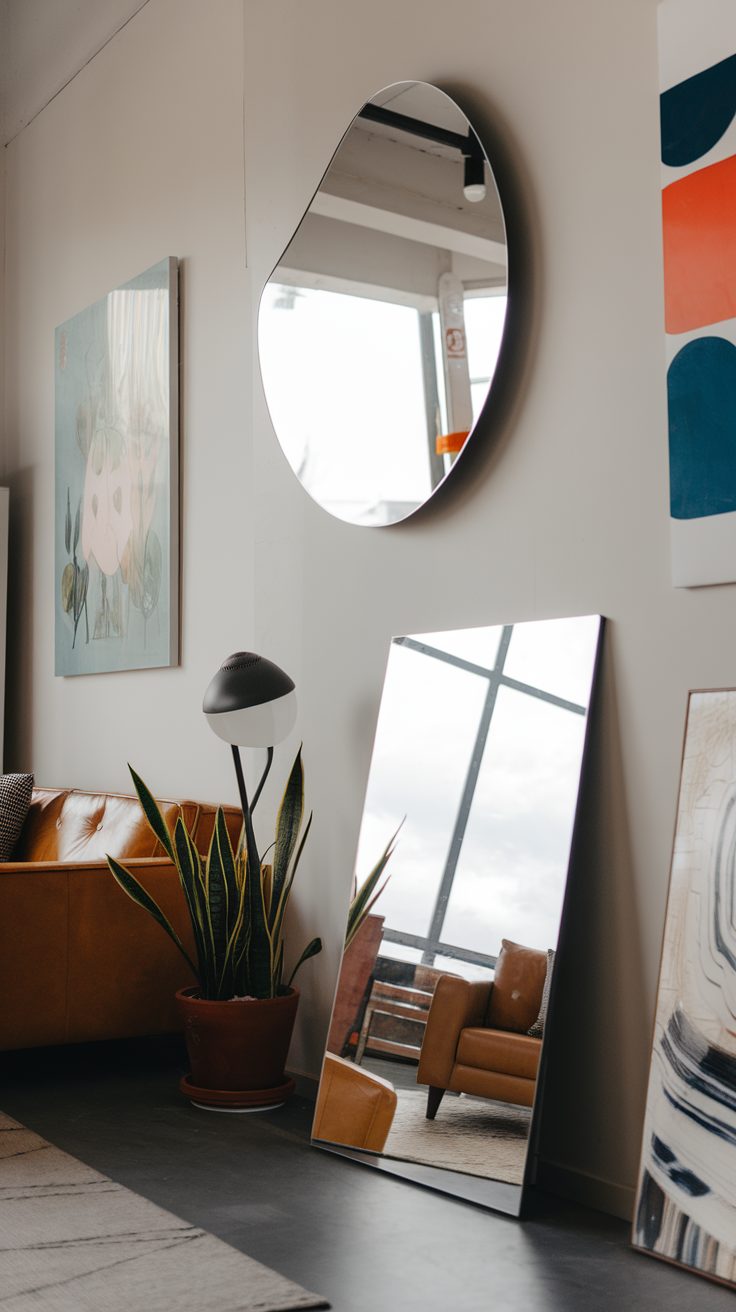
x,y
474,188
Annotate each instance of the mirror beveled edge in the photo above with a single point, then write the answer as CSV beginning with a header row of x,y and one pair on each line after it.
x,y
494,1194
441,466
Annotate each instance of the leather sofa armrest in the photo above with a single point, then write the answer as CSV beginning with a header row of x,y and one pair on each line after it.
x,y
456,1004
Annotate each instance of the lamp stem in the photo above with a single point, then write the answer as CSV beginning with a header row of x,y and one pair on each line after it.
x,y
254,860
264,777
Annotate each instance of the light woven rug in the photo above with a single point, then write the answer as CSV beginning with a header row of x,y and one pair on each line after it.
x,y
71,1240
472,1135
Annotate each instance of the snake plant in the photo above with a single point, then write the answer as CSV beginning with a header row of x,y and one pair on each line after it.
x,y
237,917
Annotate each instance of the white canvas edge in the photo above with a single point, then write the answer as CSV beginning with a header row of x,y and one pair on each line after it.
x,y
174,462
692,36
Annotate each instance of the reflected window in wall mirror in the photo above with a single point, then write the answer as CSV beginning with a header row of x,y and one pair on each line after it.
x,y
435,1052
380,327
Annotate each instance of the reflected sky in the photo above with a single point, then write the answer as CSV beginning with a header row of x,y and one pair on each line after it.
x,y
512,866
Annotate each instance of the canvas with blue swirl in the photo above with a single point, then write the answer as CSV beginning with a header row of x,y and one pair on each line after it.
x,y
686,1201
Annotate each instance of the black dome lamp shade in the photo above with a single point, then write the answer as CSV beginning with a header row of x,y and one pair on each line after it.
x,y
251,702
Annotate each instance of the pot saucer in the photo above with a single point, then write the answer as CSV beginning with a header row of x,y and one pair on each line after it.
x,y
237,1100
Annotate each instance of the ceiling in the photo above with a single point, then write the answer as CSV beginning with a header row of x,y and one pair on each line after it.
x,y
44,44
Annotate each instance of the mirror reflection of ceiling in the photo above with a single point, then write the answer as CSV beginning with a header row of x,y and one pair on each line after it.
x,y
381,325
438,1024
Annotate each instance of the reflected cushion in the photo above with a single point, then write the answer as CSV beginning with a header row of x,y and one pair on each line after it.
x,y
15,799
518,984
504,1053
537,1029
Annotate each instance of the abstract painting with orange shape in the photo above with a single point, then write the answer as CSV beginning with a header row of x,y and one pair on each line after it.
x,y
697,48
117,496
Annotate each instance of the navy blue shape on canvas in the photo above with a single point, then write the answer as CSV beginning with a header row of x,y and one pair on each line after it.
x,y
695,114
701,392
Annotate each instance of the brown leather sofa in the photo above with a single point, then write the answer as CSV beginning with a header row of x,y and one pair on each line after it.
x,y
476,1038
78,959
354,1108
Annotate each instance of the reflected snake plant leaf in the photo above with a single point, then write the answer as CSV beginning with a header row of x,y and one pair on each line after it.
x,y
152,813
68,527
76,527
311,950
366,897
138,894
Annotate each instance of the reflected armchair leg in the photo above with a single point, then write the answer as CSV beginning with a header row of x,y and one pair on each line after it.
x,y
434,1098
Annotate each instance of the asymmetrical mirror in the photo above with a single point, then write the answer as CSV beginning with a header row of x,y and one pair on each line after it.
x,y
437,1033
380,328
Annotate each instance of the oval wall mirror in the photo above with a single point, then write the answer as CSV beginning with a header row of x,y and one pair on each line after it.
x,y
380,327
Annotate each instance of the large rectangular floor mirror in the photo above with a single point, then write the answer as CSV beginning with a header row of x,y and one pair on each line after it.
x,y
433,1057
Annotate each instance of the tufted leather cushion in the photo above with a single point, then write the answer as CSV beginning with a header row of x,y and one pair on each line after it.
x,y
518,983
39,838
69,825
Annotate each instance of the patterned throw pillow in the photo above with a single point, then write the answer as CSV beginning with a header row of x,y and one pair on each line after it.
x,y
15,799
537,1029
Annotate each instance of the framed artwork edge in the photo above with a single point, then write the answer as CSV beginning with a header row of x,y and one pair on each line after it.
x,y
691,1269
167,654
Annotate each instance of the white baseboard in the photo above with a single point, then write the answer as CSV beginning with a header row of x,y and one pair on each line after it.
x,y
590,1190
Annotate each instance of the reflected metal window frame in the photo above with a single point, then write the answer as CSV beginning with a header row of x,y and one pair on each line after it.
x,y
432,945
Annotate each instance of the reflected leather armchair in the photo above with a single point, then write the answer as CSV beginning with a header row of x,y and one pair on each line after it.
x,y
355,1108
476,1039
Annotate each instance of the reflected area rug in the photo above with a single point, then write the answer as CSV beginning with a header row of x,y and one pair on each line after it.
x,y
71,1240
473,1135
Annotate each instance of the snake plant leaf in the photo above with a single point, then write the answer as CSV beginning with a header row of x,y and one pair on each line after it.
x,y
68,526
278,970
288,824
230,896
152,813
224,861
267,885
77,527
216,905
187,863
226,858
311,950
138,894
279,913
235,978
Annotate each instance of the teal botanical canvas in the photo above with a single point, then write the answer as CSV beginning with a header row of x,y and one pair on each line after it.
x,y
117,496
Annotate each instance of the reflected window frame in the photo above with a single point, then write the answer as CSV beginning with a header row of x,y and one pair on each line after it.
x,y
431,945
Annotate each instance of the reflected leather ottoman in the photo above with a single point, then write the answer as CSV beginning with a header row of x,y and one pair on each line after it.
x,y
355,1108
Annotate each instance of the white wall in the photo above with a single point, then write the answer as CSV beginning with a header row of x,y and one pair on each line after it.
x,y
565,510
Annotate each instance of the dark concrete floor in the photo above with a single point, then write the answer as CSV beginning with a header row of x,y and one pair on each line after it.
x,y
365,1241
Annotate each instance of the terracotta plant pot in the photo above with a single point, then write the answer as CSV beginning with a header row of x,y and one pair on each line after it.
x,y
237,1049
